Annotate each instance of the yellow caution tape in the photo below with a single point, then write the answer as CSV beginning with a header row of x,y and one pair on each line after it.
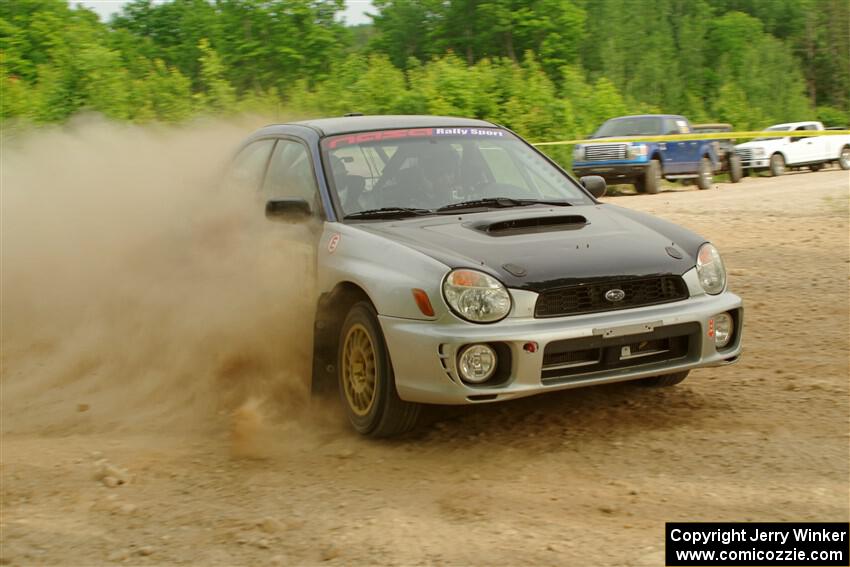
x,y
705,136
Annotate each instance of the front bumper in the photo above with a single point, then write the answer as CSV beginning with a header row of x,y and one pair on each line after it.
x,y
612,172
424,353
758,163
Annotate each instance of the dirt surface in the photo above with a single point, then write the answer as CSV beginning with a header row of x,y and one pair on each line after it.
x,y
579,477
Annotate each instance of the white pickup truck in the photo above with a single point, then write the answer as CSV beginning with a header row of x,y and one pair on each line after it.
x,y
793,148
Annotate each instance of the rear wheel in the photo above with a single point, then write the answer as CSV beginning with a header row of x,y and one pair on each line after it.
x,y
665,380
844,158
736,168
777,165
366,381
705,175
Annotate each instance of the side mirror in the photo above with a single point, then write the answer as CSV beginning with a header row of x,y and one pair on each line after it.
x,y
795,139
595,184
291,210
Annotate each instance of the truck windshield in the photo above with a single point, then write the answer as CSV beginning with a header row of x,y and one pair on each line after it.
x,y
630,126
773,129
421,170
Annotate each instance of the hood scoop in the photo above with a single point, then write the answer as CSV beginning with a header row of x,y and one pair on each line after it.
x,y
531,225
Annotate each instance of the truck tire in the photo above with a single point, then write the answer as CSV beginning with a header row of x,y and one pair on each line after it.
x,y
844,158
651,181
777,165
366,381
736,168
705,176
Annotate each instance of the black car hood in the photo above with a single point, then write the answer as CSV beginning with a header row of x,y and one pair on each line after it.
x,y
541,248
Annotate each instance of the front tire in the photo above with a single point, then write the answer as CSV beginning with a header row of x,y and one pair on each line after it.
x,y
651,182
736,168
664,381
777,165
705,176
366,380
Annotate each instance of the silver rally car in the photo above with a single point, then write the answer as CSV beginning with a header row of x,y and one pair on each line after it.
x,y
456,264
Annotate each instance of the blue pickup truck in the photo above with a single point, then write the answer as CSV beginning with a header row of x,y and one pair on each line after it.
x,y
644,164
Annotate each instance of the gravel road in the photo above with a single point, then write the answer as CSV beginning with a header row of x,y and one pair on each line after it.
x,y
92,477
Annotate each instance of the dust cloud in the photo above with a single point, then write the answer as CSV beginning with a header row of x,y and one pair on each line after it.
x,y
138,294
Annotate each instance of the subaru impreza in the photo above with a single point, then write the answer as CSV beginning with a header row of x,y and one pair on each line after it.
x,y
457,264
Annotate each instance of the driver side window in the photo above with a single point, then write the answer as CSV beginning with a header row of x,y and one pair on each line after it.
x,y
800,133
670,127
290,174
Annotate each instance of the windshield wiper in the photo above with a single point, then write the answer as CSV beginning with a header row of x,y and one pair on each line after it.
x,y
500,203
389,213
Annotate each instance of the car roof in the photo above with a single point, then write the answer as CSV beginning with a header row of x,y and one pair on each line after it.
x,y
350,124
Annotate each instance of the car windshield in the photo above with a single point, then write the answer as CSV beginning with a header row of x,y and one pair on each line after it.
x,y
631,126
423,170
773,129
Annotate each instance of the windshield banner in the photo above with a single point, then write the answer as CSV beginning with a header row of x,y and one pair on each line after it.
x,y
382,135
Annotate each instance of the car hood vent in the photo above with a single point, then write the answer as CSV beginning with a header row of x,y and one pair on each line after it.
x,y
531,225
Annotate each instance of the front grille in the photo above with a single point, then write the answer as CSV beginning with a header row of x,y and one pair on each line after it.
x,y
590,298
588,357
745,153
604,153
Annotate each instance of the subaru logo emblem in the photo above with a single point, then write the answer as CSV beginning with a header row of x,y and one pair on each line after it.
x,y
614,295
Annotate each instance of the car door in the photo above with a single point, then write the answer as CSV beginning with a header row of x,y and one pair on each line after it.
x,y
821,146
672,153
689,152
290,177
802,148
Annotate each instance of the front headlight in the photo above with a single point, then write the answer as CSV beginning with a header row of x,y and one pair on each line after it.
x,y
637,150
758,152
578,153
710,269
476,296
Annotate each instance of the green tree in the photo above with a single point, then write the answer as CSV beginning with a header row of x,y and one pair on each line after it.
x,y
731,106
171,31
757,66
445,87
216,93
16,99
549,68
168,93
403,29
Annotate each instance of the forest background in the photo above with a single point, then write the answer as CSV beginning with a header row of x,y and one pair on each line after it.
x,y
549,69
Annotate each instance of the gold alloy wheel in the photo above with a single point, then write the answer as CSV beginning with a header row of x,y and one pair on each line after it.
x,y
359,373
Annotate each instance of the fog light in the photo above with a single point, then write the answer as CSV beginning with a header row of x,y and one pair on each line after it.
x,y
723,327
477,363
